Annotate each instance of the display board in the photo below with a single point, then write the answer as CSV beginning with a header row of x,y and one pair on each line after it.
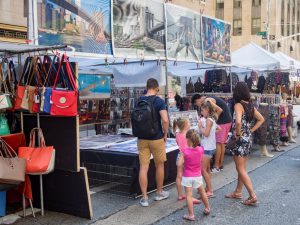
x,y
63,134
83,25
192,115
216,40
183,34
93,86
139,28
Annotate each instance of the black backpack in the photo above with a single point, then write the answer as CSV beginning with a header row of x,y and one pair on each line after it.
x,y
144,121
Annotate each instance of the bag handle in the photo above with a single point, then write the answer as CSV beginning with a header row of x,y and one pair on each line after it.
x,y
51,68
69,72
7,149
26,69
40,135
2,80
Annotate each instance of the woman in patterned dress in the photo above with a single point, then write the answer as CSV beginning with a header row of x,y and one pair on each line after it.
x,y
244,114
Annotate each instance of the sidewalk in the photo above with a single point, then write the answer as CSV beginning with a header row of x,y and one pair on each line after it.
x,y
111,209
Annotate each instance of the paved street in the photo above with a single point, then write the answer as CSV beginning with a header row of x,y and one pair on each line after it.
x,y
277,185
276,180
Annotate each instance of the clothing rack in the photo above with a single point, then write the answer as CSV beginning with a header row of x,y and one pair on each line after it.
x,y
18,49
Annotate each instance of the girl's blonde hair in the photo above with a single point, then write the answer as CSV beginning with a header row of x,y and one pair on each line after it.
x,y
193,137
180,123
211,111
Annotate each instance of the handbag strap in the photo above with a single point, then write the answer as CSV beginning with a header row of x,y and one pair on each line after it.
x,y
3,80
26,69
40,135
69,72
51,68
7,150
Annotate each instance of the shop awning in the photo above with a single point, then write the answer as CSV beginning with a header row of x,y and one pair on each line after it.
x,y
293,63
254,57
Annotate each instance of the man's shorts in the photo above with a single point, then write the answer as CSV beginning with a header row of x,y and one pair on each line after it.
x,y
221,136
193,182
155,147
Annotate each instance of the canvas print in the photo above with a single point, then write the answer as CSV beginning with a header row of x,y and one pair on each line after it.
x,y
81,24
138,28
183,34
216,40
94,86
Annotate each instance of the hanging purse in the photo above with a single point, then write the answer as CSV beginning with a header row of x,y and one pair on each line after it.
x,y
12,168
198,86
4,128
64,102
190,87
21,84
40,160
5,101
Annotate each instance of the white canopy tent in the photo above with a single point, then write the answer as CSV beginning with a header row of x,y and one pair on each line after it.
x,y
293,63
254,57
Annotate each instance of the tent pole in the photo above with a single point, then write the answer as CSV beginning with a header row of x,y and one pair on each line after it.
x,y
167,86
230,80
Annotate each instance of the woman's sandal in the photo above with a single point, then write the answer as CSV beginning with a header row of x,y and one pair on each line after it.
x,y
196,201
180,198
277,149
210,195
250,201
234,195
206,212
189,218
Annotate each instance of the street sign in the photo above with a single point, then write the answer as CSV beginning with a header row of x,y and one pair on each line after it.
x,y
261,33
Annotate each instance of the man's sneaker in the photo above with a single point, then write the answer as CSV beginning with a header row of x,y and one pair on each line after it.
x,y
144,202
161,196
215,170
221,168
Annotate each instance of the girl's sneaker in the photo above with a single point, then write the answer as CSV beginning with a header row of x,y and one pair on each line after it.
x,y
215,170
161,196
144,202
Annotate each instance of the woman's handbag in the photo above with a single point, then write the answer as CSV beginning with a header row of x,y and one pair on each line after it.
x,y
190,87
198,86
4,128
65,102
5,101
12,168
40,160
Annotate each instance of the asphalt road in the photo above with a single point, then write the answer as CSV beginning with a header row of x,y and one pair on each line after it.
x,y
277,185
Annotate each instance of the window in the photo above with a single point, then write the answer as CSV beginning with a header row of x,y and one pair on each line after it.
x,y
282,17
220,9
256,3
237,27
237,3
255,26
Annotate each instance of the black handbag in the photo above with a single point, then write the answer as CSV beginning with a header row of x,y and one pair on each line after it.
x,y
198,86
190,87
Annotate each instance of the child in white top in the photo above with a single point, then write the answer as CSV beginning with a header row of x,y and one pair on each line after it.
x,y
208,128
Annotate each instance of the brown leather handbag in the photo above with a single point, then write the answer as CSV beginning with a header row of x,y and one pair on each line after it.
x,y
190,87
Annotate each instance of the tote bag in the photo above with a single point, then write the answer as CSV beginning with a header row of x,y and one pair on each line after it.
x,y
40,160
12,168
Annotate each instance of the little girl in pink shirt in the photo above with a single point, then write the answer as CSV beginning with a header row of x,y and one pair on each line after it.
x,y
191,158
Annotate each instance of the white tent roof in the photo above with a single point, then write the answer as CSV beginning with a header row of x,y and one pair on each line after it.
x,y
289,60
255,57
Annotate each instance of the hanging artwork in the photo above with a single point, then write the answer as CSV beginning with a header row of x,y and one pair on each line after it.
x,y
139,29
183,34
94,86
216,40
83,25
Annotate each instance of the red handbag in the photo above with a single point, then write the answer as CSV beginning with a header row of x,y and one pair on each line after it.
x,y
21,84
40,160
64,102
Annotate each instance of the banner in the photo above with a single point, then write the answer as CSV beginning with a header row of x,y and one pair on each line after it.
x,y
183,34
139,29
216,40
83,25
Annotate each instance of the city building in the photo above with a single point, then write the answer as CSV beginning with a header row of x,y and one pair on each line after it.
x,y
13,21
248,17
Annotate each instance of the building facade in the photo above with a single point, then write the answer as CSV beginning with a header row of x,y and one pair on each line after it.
x,y
248,17
13,21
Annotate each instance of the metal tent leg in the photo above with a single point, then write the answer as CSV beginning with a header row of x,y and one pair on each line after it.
x,y
42,195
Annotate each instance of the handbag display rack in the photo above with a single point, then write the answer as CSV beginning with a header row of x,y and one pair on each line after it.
x,y
18,100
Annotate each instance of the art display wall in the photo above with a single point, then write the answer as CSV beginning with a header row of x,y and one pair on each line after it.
x,y
137,29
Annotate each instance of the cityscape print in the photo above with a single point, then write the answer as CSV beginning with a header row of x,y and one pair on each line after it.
x,y
139,28
216,40
83,25
183,34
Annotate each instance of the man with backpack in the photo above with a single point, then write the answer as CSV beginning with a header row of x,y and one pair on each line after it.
x,y
150,124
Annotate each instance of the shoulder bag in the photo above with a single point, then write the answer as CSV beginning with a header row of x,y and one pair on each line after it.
x,y
4,128
12,168
5,101
190,87
65,102
198,86
40,160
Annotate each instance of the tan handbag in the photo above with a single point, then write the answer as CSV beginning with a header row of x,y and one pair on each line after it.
x,y
12,168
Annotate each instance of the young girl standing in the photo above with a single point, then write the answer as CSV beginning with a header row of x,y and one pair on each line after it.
x,y
208,127
192,158
183,125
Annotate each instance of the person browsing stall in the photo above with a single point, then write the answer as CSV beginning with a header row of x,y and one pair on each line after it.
x,y
150,124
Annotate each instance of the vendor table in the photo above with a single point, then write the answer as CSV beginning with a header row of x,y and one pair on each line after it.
x,y
117,164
